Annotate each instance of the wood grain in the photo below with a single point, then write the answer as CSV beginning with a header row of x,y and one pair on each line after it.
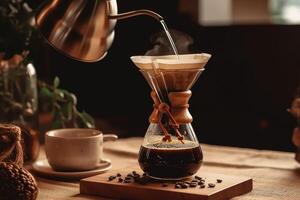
x,y
231,186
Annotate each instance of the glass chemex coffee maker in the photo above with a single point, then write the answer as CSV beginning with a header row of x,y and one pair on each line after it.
x,y
170,149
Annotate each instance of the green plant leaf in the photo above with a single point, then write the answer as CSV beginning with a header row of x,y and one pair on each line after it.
x,y
63,107
56,82
66,110
60,95
89,119
45,94
85,120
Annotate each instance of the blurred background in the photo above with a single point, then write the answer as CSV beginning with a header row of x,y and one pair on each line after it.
x,y
240,100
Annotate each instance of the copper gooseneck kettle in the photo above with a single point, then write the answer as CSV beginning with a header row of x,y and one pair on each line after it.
x,y
82,29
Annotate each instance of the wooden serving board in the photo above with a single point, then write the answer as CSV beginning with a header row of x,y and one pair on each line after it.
x,y
230,187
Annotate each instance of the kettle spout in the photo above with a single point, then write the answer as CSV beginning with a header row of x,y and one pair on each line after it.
x,y
137,13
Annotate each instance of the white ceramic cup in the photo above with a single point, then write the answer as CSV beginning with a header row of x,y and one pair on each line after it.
x,y
75,149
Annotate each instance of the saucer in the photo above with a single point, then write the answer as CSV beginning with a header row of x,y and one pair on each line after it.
x,y
42,168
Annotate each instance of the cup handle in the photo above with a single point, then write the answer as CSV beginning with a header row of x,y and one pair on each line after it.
x,y
109,137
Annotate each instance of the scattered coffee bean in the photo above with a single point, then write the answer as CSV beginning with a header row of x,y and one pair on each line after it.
x,y
177,186
219,180
211,185
194,181
165,185
201,182
144,174
119,175
198,177
202,186
111,178
193,184
129,175
134,172
136,176
185,185
120,180
128,178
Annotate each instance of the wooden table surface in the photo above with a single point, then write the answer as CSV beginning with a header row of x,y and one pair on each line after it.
x,y
276,175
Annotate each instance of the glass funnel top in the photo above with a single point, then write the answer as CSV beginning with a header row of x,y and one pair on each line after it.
x,y
170,73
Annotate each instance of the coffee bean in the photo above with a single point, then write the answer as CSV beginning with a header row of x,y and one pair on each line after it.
x,y
134,172
119,175
136,176
201,182
219,180
120,180
144,174
184,186
128,178
194,181
193,184
129,175
198,177
211,185
111,178
177,186
202,186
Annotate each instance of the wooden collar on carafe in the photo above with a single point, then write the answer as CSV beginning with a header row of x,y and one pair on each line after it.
x,y
178,107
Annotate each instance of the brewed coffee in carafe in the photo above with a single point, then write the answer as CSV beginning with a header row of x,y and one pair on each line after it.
x,y
170,149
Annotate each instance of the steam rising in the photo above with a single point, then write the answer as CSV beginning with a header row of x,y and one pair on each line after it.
x,y
162,45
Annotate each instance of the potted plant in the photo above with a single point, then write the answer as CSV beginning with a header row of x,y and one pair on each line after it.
x,y
18,88
25,100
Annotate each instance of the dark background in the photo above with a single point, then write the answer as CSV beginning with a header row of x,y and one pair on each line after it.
x,y
240,99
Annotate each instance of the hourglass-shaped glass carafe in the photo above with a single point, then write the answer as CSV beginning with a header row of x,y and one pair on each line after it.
x,y
170,149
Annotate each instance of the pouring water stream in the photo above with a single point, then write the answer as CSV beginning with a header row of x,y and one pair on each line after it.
x,y
165,27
